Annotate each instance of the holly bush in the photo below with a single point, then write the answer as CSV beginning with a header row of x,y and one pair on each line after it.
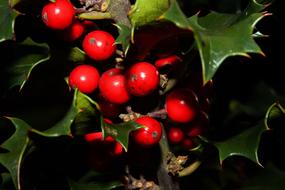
x,y
141,94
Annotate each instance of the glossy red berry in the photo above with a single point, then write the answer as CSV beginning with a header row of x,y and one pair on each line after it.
x,y
99,45
175,135
73,32
142,79
112,86
92,137
85,78
111,72
169,60
58,15
150,134
181,105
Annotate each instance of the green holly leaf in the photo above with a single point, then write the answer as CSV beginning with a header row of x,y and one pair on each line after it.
x,y
7,20
147,11
270,178
102,185
6,181
16,145
219,35
120,132
88,117
276,110
25,57
90,111
144,12
231,40
124,37
174,14
76,55
246,143
80,104
14,2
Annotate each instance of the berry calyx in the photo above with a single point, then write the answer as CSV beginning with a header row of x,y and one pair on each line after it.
x,y
142,79
150,134
85,78
99,45
58,15
181,105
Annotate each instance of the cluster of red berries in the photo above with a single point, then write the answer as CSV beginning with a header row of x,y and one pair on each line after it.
x,y
187,108
116,86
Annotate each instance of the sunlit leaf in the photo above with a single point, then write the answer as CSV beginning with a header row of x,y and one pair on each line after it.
x,y
220,35
120,132
124,37
147,11
76,55
16,146
244,144
7,21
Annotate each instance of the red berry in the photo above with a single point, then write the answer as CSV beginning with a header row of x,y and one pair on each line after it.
x,y
109,109
99,45
102,152
170,60
73,32
142,79
111,72
150,134
112,86
181,105
175,135
92,137
109,143
89,25
188,143
195,131
85,78
58,15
